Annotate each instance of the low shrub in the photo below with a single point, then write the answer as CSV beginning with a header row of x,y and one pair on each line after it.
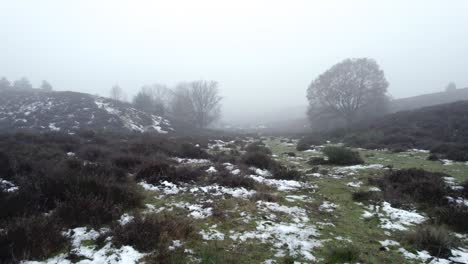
x,y
408,186
35,237
342,254
285,173
367,196
452,215
257,159
227,179
93,153
126,162
313,161
156,172
258,147
342,156
306,143
265,196
187,150
436,240
465,189
152,232
433,157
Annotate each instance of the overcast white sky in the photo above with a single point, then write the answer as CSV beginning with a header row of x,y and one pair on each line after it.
x,y
263,53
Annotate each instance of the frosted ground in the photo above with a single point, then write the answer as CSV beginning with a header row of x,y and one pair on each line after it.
x,y
306,219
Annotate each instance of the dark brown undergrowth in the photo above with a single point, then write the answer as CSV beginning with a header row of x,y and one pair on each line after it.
x,y
436,240
152,232
34,237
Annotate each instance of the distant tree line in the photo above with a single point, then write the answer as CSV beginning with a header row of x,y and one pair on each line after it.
x,y
23,83
196,103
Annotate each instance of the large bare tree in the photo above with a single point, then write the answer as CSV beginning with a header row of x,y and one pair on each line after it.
x,y
116,93
346,88
197,103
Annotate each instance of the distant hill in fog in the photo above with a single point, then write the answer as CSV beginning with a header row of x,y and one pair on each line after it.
x,y
34,109
294,119
424,100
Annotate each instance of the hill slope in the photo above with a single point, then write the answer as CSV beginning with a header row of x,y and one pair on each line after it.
x,y
71,111
424,100
442,128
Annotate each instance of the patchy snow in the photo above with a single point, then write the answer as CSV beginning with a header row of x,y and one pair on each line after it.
x,y
107,254
211,169
7,186
355,168
374,189
70,154
125,219
293,198
447,162
354,184
386,243
394,218
53,127
216,190
260,172
212,234
281,185
165,187
191,161
196,211
328,206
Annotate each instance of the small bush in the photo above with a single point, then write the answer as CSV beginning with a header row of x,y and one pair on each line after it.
x,y
265,196
156,172
465,189
227,179
309,141
126,161
343,254
436,240
152,232
367,196
187,150
414,185
258,147
433,157
342,156
454,216
257,159
35,237
285,173
93,153
313,161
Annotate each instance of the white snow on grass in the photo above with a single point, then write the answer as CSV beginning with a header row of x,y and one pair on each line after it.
x,y
216,190
297,214
281,185
394,218
387,243
7,186
191,161
212,234
107,254
354,184
125,219
374,189
447,162
53,127
293,198
298,238
355,168
327,206
260,172
196,211
211,169
165,187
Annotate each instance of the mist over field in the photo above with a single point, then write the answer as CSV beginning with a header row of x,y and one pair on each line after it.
x,y
227,132
264,54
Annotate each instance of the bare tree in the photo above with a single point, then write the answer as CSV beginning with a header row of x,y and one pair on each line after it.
x,y
153,99
22,83
46,86
206,102
197,103
4,83
347,87
116,93
451,87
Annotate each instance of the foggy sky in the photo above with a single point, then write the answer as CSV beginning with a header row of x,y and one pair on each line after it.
x,y
264,54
